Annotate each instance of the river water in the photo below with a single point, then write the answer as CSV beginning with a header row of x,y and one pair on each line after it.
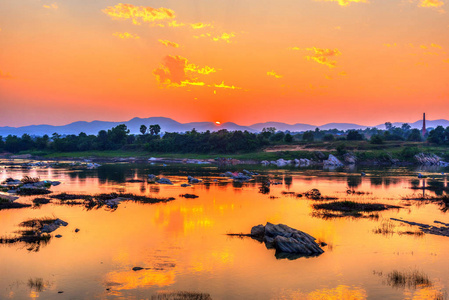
x,y
183,247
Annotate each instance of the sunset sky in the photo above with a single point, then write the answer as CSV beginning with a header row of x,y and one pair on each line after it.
x,y
293,61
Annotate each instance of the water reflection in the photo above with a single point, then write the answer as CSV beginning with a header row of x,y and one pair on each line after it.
x,y
341,292
182,245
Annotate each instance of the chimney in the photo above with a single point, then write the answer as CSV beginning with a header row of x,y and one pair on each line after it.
x,y
424,124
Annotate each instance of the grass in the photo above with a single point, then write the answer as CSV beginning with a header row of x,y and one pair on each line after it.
x,y
100,200
28,179
32,191
386,228
181,296
36,284
31,234
352,206
410,279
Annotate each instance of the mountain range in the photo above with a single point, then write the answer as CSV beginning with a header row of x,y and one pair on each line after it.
x,y
170,125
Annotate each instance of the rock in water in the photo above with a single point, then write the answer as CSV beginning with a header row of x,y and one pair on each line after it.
x,y
286,239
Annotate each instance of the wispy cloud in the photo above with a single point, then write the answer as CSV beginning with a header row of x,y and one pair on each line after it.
x,y
5,75
222,85
126,35
168,43
435,46
224,37
431,3
140,14
322,56
175,24
201,25
51,6
176,71
274,74
344,2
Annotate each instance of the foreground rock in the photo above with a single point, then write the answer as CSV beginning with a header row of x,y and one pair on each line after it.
x,y
286,239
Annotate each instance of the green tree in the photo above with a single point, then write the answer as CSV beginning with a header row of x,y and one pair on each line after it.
x,y
288,138
143,129
354,135
155,129
308,136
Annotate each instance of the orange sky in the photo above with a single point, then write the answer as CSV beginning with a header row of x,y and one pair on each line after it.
x,y
294,61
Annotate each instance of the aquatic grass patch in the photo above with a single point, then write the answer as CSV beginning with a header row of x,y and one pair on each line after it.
x,y
353,206
386,228
7,204
37,284
110,200
31,234
441,201
181,296
28,179
32,191
352,209
408,279
328,215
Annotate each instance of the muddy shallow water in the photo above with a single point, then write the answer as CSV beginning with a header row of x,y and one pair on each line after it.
x,y
183,247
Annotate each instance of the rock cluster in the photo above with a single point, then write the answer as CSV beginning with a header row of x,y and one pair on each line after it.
x,y
430,159
237,176
286,239
192,180
303,162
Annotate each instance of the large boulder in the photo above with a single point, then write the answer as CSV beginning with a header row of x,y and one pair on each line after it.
x,y
286,239
429,159
164,181
350,158
332,161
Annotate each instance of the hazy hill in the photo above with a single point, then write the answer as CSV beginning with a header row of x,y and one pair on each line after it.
x,y
170,125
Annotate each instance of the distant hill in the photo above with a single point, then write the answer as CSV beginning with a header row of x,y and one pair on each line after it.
x,y
170,125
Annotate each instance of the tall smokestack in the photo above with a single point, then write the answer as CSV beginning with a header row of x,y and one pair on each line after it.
x,y
424,124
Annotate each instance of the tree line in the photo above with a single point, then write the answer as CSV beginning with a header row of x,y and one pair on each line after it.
x,y
222,141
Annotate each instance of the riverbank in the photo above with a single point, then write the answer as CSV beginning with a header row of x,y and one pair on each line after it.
x,y
330,154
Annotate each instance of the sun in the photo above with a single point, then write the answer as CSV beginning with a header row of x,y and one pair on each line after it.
x,y
217,123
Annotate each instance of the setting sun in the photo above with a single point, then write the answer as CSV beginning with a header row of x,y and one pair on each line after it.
x,y
218,123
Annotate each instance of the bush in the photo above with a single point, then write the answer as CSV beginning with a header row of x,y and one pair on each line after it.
x,y
376,139
409,152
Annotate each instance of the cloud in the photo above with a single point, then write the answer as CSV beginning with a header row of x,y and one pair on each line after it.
x,y
446,60
224,37
51,6
431,3
139,14
321,56
222,85
5,75
175,24
435,46
201,25
274,74
126,35
391,45
175,71
344,2
168,43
